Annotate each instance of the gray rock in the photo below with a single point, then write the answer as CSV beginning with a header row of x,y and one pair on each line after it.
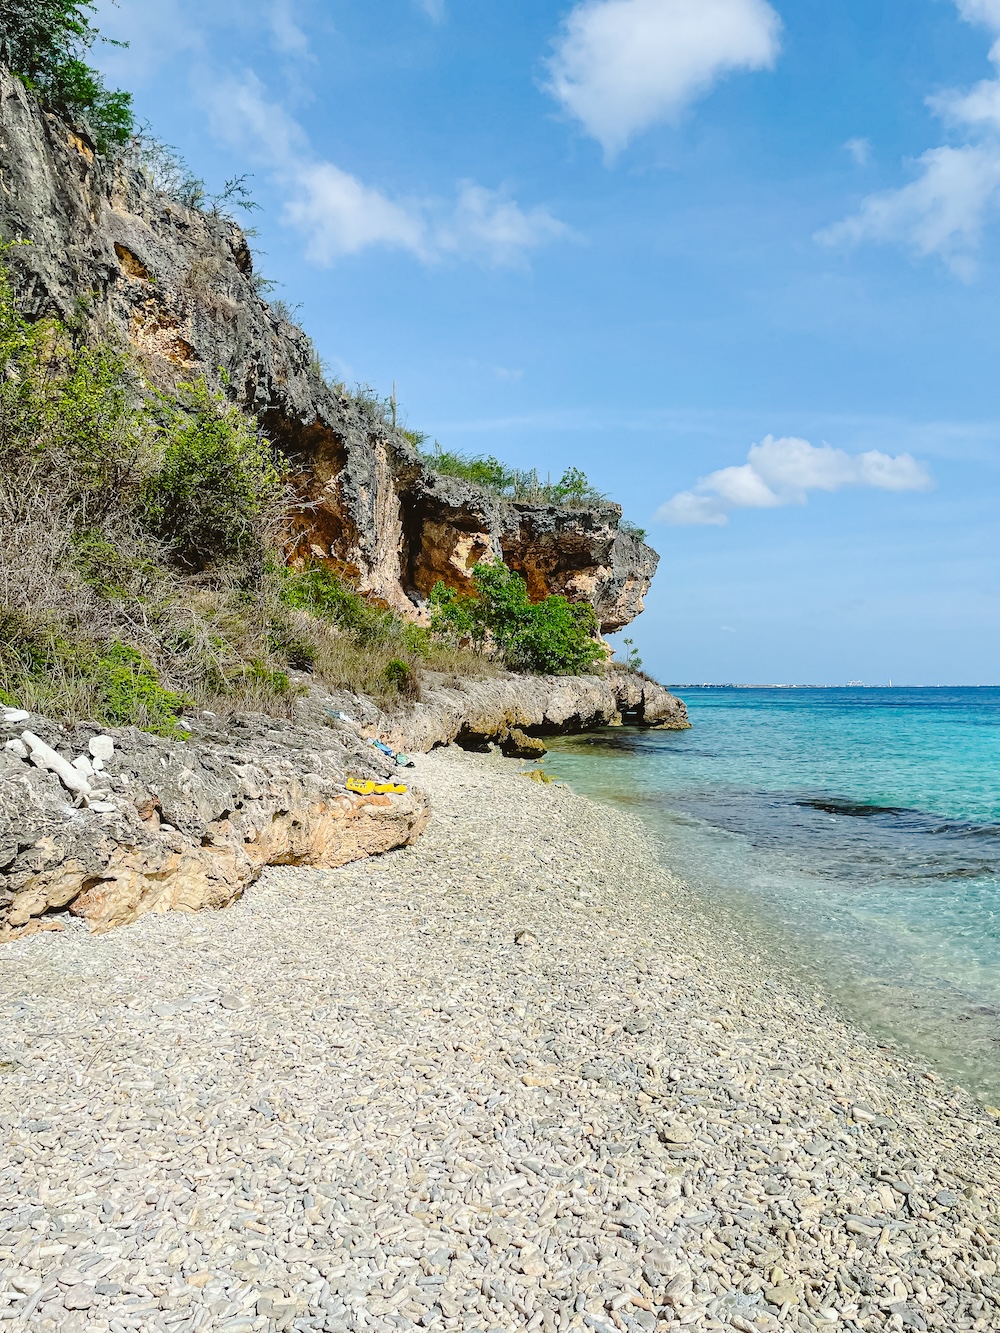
x,y
195,821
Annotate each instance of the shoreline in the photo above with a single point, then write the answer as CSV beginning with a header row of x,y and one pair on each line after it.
x,y
351,1100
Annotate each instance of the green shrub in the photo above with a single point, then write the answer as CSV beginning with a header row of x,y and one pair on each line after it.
x,y
127,691
401,677
322,592
633,661
44,42
633,530
216,492
550,637
572,490
368,648
111,683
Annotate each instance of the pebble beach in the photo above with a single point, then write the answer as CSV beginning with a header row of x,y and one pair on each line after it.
x,y
514,1077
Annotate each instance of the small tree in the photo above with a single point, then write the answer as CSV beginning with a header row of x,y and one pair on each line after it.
x,y
44,42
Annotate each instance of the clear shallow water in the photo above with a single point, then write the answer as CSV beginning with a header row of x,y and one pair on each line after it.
x,y
856,831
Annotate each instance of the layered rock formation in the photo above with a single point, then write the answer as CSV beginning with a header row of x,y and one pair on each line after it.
x,y
192,823
179,285
475,713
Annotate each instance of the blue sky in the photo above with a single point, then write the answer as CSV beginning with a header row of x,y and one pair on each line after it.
x,y
738,260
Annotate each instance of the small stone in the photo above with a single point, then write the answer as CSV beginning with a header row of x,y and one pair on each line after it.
x,y
12,717
17,747
101,747
671,1132
79,1298
525,938
638,1024
233,1001
781,1295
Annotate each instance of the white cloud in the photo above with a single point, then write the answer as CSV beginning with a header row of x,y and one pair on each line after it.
x,y
434,9
622,65
980,11
288,36
489,225
340,215
955,195
943,212
783,472
860,150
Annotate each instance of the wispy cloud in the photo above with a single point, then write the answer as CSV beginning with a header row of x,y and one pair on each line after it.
x,y
434,9
619,66
289,38
338,214
860,150
955,195
783,472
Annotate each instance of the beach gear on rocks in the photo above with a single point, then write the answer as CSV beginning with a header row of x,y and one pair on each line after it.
x,y
403,760
368,788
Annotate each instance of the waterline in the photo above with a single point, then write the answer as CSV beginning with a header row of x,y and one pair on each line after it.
x,y
856,833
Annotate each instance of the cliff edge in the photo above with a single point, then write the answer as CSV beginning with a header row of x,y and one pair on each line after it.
x,y
179,285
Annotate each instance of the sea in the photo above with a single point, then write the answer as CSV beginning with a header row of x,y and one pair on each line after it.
x,y
855,835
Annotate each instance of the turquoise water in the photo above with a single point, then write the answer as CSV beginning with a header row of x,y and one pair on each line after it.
x,y
856,832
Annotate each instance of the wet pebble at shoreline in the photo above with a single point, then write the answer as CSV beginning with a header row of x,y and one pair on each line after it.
x,y
512,1078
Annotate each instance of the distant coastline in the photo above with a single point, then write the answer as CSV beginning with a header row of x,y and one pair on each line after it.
x,y
733,685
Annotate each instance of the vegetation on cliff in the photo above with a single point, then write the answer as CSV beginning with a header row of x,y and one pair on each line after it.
x,y
45,43
572,489
145,533
142,566
140,551
550,637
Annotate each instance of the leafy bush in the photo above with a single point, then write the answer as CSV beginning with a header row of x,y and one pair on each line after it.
x,y
633,661
370,650
216,491
551,637
113,505
67,412
126,688
44,42
321,591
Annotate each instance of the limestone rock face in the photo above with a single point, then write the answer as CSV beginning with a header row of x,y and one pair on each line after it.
x,y
476,713
179,285
193,823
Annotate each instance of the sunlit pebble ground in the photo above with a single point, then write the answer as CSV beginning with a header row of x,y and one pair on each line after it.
x,y
352,1101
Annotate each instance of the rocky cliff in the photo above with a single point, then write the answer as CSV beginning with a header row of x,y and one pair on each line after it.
x,y
179,285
